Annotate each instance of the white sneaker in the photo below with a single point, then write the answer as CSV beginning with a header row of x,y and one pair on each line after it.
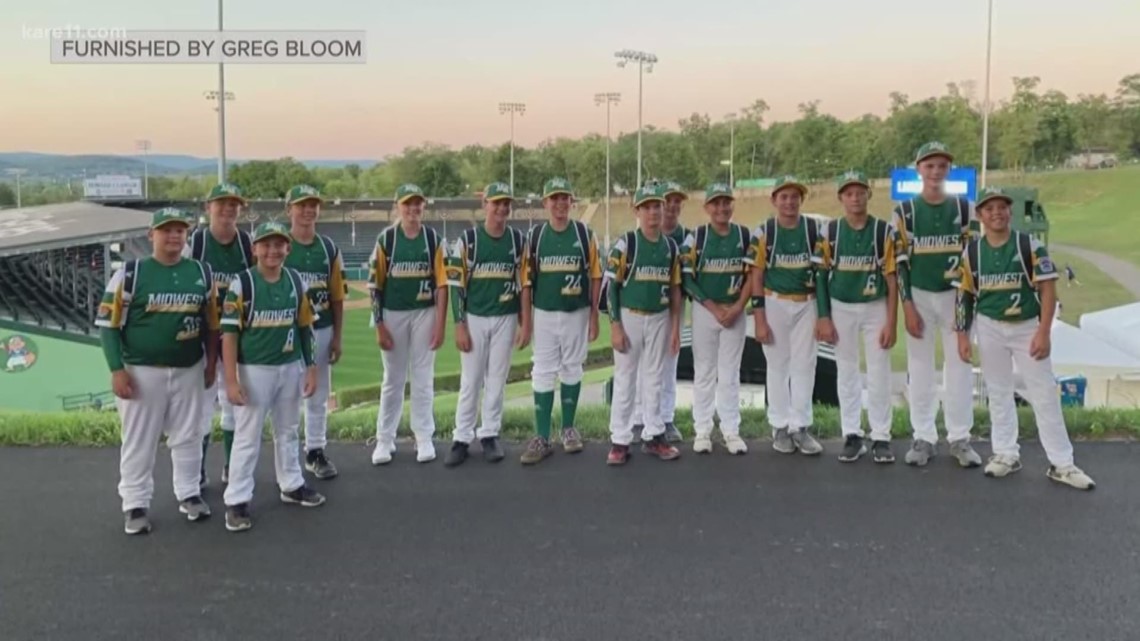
x,y
382,455
425,451
1000,466
735,444
1071,475
702,445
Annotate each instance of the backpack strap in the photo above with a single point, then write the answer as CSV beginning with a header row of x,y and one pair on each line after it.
x,y
534,238
388,243
972,255
745,238
881,229
583,240
330,249
811,228
197,243
831,232
246,280
770,228
631,255
130,272
1025,249
246,247
964,213
701,239
298,288
908,216
469,240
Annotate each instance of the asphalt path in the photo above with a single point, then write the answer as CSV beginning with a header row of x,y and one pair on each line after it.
x,y
763,546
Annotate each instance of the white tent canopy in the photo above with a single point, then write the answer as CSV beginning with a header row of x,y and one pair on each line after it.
x,y
1112,375
1118,326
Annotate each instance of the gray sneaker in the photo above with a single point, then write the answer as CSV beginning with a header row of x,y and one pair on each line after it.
x,y
965,454
672,434
806,443
237,518
137,521
194,508
920,453
782,442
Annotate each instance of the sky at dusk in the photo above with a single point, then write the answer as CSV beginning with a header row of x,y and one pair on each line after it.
x,y
436,71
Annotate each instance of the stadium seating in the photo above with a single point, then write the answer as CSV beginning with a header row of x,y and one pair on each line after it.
x,y
58,289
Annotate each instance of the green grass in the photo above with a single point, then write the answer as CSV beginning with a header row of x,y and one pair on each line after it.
x,y
1097,290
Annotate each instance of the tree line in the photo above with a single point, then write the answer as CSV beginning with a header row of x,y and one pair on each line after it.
x,y
1033,129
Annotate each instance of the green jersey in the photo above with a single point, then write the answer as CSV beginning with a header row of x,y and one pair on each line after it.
x,y
322,270
226,260
855,261
785,257
642,271
406,271
559,266
678,234
483,271
159,311
713,265
1004,281
934,236
271,320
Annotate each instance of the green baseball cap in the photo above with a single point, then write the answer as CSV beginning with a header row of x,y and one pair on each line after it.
x,y
408,191
647,194
301,193
673,187
271,228
557,186
853,177
718,190
497,191
225,190
992,193
168,215
785,182
931,149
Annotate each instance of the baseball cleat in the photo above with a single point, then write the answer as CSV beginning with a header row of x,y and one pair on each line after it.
x,y
881,452
853,448
619,455
304,496
659,447
456,455
319,465
571,440
806,443
919,453
536,450
964,454
782,442
137,521
492,452
194,508
237,517
735,445
1001,466
1072,476
702,445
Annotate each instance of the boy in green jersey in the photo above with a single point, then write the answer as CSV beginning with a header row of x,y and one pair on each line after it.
x,y
228,251
857,298
644,306
318,260
267,348
783,308
483,274
675,197
561,279
717,279
934,227
1007,290
159,317
409,310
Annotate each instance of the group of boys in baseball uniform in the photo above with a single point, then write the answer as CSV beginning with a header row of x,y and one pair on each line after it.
x,y
253,323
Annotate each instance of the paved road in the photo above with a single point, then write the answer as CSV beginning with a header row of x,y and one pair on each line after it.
x,y
757,547
1122,271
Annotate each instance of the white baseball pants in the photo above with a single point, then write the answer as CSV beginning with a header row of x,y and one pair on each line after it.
x,y
791,362
648,336
166,400
485,369
411,348
559,348
272,391
1001,346
215,397
317,405
717,351
937,311
855,321
666,399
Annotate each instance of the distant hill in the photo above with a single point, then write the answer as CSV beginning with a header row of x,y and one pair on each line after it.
x,y
63,166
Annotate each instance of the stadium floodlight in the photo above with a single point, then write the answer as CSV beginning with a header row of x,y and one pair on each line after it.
x,y
221,109
731,118
986,100
512,108
608,99
17,172
645,62
144,146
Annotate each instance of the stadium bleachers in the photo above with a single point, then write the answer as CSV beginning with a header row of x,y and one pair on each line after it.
x,y
58,289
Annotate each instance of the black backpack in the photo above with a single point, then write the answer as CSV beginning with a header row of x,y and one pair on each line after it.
x,y
247,300
631,256
811,227
831,230
471,239
580,228
198,245
130,278
388,242
1024,250
907,209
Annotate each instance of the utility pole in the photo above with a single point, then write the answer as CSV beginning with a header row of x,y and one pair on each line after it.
x,y
512,108
610,98
986,106
144,146
17,172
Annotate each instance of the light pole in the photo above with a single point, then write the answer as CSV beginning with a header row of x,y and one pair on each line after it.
x,y
731,150
645,62
986,106
221,109
17,172
144,146
512,108
609,98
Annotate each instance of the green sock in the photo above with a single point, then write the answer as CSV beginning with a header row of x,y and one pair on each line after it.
x,y
227,444
570,403
543,406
